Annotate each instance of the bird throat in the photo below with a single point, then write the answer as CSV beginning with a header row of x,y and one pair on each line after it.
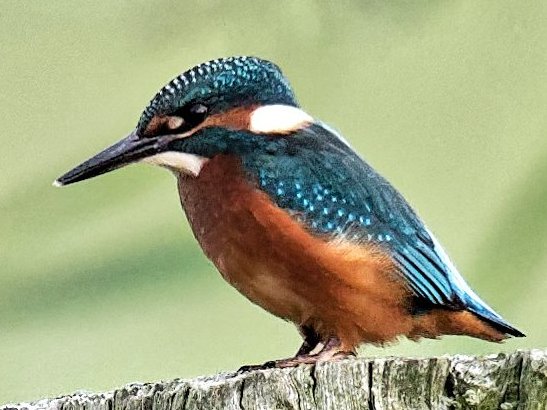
x,y
178,162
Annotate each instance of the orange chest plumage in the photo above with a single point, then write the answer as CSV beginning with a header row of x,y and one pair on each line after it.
x,y
337,288
243,234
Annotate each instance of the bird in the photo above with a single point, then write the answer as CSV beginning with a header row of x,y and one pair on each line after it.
x,y
293,217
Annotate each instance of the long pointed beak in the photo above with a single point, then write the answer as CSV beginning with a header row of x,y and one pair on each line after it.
x,y
124,152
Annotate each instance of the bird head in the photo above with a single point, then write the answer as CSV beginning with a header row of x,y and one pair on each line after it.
x,y
214,108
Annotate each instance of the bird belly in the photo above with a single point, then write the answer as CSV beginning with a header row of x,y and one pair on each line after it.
x,y
339,289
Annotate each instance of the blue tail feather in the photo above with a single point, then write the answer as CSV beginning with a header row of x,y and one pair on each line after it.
x,y
486,313
470,299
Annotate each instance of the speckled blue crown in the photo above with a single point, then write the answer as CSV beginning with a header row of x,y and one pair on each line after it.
x,y
222,83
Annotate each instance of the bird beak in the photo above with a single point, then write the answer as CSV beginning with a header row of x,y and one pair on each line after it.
x,y
124,152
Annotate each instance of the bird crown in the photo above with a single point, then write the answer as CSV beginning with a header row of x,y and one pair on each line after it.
x,y
221,83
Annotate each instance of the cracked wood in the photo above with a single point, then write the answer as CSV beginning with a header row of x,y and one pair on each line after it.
x,y
504,381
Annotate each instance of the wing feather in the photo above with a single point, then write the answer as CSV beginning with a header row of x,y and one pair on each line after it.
x,y
320,179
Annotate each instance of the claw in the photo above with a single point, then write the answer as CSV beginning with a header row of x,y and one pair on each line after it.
x,y
330,351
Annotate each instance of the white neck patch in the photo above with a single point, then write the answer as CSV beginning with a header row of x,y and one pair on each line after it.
x,y
178,161
278,119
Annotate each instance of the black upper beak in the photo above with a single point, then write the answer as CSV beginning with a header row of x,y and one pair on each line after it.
x,y
128,150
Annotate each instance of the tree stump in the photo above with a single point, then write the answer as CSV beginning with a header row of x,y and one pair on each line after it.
x,y
504,381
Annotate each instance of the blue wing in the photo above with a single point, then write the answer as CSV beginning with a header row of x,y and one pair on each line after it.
x,y
334,192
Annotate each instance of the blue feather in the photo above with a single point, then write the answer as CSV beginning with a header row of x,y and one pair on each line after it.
x,y
316,177
334,192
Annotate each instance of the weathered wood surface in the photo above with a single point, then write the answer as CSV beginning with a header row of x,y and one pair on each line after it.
x,y
503,381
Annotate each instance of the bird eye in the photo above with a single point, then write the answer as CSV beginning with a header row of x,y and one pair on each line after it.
x,y
195,114
180,121
198,110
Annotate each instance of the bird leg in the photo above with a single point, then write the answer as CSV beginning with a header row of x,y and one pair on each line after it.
x,y
331,350
311,341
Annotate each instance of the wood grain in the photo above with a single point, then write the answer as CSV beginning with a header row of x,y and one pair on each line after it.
x,y
504,381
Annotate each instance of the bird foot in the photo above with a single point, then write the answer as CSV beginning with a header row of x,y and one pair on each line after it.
x,y
330,352
280,363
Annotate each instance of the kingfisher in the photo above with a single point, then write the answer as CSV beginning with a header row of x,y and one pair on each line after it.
x,y
294,218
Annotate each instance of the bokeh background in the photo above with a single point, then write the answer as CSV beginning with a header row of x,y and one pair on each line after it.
x,y
102,283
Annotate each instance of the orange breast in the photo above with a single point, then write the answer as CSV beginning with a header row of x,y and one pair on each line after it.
x,y
338,288
341,289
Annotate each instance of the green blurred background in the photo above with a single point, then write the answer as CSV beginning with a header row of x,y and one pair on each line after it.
x,y
102,283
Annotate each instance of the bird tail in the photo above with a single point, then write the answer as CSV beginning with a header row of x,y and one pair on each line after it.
x,y
488,315
470,300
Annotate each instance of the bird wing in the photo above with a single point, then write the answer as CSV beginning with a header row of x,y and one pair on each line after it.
x,y
320,179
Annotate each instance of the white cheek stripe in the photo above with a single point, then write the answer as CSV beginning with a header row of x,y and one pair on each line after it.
x,y
278,118
178,161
